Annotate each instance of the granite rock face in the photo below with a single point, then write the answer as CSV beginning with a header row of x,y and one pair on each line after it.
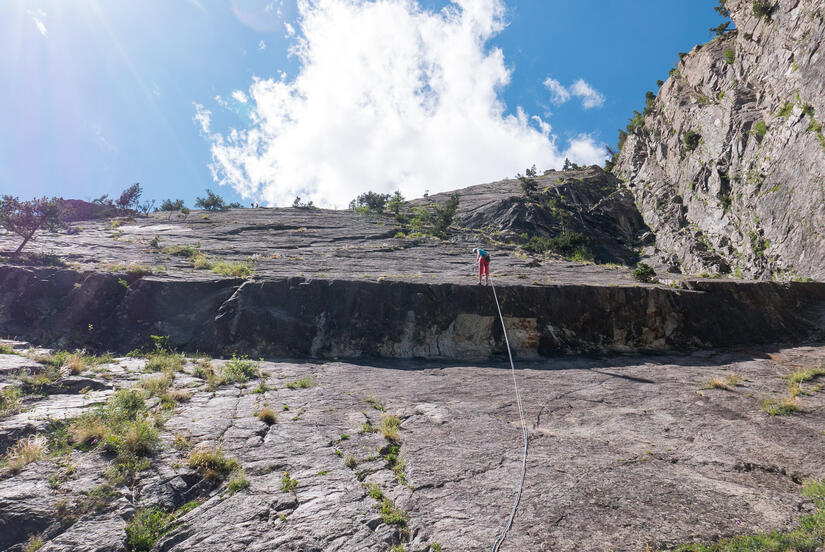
x,y
729,167
626,453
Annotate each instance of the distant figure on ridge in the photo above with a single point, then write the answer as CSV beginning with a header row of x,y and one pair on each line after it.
x,y
483,260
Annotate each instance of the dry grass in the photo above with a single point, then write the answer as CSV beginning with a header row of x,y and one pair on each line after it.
x,y
211,463
732,380
87,430
25,451
390,426
267,415
786,405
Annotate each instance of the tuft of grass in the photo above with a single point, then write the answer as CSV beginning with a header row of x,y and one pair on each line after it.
x,y
237,482
10,401
236,270
134,269
783,407
390,426
288,484
373,401
34,543
304,383
201,262
25,451
732,380
240,370
786,109
267,415
146,528
7,349
156,384
367,427
730,56
351,462
212,464
87,430
435,547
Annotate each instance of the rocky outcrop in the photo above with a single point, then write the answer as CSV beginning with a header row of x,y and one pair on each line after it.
x,y
729,167
586,200
298,317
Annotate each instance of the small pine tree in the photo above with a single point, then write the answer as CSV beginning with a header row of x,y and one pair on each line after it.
x,y
130,197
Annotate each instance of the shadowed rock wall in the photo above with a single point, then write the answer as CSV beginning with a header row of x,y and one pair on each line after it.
x,y
295,317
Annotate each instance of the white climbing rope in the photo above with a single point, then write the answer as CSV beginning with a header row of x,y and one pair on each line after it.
x,y
503,534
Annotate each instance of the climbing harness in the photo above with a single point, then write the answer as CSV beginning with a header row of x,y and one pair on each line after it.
x,y
503,534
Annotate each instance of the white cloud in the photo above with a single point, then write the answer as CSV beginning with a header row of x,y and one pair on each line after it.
x,y
590,97
262,45
38,16
290,30
558,93
240,96
388,96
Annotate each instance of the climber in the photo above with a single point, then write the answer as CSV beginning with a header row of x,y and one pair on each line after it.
x,y
483,260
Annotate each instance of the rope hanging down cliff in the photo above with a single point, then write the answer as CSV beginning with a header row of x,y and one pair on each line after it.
x,y
503,534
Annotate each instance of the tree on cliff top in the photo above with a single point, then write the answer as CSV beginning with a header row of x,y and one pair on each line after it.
x,y
212,202
25,218
130,197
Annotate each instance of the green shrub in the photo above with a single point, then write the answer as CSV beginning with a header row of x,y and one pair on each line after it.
x,y
288,484
144,530
730,56
568,244
786,109
762,8
371,202
644,273
690,139
212,202
759,130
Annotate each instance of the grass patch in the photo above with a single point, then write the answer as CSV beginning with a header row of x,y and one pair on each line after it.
x,y
786,109
34,543
807,536
351,462
240,370
304,383
780,407
807,374
212,464
146,528
393,515
162,361
236,270
10,401
237,482
201,262
7,349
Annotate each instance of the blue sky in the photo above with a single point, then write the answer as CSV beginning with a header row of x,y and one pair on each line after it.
x,y
99,94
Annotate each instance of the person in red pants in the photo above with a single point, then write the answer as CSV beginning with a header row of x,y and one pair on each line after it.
x,y
483,260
